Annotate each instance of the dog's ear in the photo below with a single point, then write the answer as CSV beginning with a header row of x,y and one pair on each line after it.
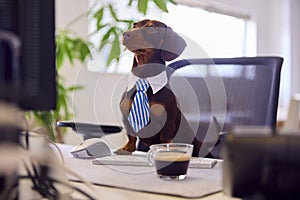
x,y
173,45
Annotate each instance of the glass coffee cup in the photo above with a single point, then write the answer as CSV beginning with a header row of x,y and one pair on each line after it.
x,y
171,160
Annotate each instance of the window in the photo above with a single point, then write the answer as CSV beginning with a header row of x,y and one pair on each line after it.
x,y
208,34
219,35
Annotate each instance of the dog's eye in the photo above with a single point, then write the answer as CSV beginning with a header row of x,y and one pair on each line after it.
x,y
152,29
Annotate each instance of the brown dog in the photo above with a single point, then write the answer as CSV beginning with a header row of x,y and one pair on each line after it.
x,y
153,43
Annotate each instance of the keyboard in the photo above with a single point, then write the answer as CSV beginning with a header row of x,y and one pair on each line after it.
x,y
139,160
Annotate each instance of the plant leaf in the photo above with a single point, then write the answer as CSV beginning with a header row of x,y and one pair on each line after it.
x,y
173,2
105,37
66,113
75,87
67,46
100,26
130,22
114,51
45,118
99,14
130,2
59,56
81,49
142,6
113,13
161,4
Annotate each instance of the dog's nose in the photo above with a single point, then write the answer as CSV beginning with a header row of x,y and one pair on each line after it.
x,y
126,35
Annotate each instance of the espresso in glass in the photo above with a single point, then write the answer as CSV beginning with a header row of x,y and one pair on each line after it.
x,y
172,165
171,160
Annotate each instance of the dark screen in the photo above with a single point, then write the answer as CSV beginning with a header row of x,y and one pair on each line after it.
x,y
27,75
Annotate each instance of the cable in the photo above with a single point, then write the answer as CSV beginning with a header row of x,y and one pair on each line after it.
x,y
44,171
65,184
44,184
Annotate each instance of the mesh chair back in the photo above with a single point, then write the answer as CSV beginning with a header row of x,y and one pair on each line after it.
x,y
236,91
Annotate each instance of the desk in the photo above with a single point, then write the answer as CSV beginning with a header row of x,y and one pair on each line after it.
x,y
113,188
106,193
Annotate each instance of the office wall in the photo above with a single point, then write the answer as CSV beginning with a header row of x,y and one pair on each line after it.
x,y
295,45
278,33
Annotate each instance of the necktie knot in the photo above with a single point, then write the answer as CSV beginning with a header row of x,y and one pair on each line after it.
x,y
142,85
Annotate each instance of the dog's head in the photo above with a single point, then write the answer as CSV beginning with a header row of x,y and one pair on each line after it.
x,y
149,36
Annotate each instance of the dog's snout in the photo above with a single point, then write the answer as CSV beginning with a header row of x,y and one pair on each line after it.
x,y
126,34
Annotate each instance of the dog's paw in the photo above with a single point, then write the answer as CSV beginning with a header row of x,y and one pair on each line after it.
x,y
122,152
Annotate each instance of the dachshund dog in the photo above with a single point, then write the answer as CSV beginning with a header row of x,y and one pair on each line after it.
x,y
153,43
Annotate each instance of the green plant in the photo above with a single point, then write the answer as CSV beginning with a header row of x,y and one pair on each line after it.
x,y
70,47
111,29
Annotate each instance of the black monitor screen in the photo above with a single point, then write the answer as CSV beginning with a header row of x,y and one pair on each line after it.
x,y
262,167
28,75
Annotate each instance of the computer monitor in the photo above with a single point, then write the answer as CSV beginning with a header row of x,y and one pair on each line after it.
x,y
28,73
262,167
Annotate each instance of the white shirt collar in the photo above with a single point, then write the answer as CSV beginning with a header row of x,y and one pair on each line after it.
x,y
156,82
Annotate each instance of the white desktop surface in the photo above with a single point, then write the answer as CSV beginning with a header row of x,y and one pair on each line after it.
x,y
128,182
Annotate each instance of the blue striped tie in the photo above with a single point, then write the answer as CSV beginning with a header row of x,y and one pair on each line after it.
x,y
139,112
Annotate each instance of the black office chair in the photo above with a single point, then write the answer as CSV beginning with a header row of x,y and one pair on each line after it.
x,y
226,92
